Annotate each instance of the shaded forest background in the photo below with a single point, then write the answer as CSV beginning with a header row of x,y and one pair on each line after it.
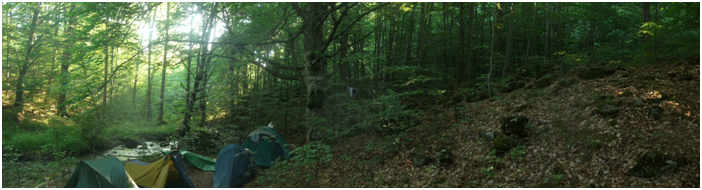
x,y
77,75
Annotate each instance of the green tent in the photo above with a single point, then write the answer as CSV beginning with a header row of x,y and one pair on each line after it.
x,y
267,146
201,162
102,173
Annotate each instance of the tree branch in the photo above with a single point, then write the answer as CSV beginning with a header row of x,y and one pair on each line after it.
x,y
269,70
272,62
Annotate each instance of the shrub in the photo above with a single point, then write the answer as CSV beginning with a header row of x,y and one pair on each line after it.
x,y
302,167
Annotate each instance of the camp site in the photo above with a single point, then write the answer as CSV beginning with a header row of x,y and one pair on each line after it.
x,y
350,94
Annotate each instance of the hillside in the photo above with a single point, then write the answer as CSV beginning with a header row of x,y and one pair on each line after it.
x,y
564,132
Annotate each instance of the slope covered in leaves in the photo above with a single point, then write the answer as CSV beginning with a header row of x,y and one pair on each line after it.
x,y
569,145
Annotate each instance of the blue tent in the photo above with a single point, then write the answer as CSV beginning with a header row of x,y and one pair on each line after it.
x,y
234,167
267,145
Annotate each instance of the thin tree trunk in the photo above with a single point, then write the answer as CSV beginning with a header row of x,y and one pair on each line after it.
x,y
112,82
67,54
508,45
148,70
548,33
461,42
469,43
163,69
492,46
646,17
189,67
531,30
107,59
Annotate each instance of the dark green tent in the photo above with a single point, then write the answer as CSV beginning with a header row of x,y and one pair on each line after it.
x,y
201,162
102,173
234,167
267,145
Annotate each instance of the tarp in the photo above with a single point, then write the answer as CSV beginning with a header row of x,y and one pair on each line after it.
x,y
101,173
168,171
267,145
201,162
234,167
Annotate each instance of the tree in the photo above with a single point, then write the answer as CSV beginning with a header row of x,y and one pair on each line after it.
x,y
200,73
148,69
163,69
66,62
28,62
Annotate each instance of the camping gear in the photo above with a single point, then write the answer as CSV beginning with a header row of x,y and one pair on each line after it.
x,y
201,162
168,171
234,167
266,145
101,173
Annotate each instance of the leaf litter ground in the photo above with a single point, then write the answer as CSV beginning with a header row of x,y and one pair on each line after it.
x,y
592,150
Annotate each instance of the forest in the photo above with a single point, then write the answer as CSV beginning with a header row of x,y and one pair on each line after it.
x,y
366,94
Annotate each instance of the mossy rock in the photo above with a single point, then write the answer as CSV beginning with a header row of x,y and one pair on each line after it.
x,y
514,85
607,110
596,73
419,159
503,144
129,143
443,156
488,136
653,165
655,112
514,126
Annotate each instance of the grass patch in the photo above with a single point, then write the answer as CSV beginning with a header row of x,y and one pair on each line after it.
x,y
132,129
36,139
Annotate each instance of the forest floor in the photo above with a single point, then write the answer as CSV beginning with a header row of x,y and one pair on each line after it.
x,y
562,129
562,124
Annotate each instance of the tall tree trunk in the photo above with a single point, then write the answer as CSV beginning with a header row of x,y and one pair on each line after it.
x,y
49,85
531,30
646,17
469,43
136,77
28,62
492,47
548,33
461,42
67,54
112,82
315,63
344,66
107,59
189,67
508,45
148,70
203,92
163,69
